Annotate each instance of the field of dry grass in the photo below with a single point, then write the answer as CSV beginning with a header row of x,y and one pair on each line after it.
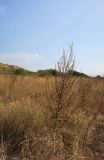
x,y
34,125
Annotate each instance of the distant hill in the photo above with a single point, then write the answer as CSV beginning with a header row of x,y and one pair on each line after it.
x,y
12,69
53,72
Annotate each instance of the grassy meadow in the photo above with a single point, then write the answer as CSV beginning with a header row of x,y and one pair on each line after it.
x,y
40,119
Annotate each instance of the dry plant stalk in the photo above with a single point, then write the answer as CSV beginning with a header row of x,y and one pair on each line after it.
x,y
61,88
60,91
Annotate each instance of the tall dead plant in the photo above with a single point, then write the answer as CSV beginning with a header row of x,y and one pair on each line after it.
x,y
60,93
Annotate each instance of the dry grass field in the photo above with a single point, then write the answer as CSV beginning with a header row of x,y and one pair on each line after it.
x,y
51,79
37,123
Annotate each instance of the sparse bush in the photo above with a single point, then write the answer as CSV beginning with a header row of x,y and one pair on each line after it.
x,y
20,71
48,72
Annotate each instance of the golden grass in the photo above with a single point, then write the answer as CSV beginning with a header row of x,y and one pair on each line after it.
x,y
27,125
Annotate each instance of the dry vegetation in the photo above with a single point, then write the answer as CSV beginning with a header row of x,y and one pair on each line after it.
x,y
52,118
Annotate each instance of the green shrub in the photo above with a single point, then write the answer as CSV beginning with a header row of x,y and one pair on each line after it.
x,y
20,71
46,72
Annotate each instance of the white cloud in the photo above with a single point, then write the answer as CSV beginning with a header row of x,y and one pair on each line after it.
x,y
3,10
24,59
20,56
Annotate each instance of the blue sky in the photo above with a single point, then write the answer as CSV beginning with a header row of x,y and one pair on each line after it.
x,y
34,32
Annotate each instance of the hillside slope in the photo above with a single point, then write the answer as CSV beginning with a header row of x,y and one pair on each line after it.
x,y
12,69
53,72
